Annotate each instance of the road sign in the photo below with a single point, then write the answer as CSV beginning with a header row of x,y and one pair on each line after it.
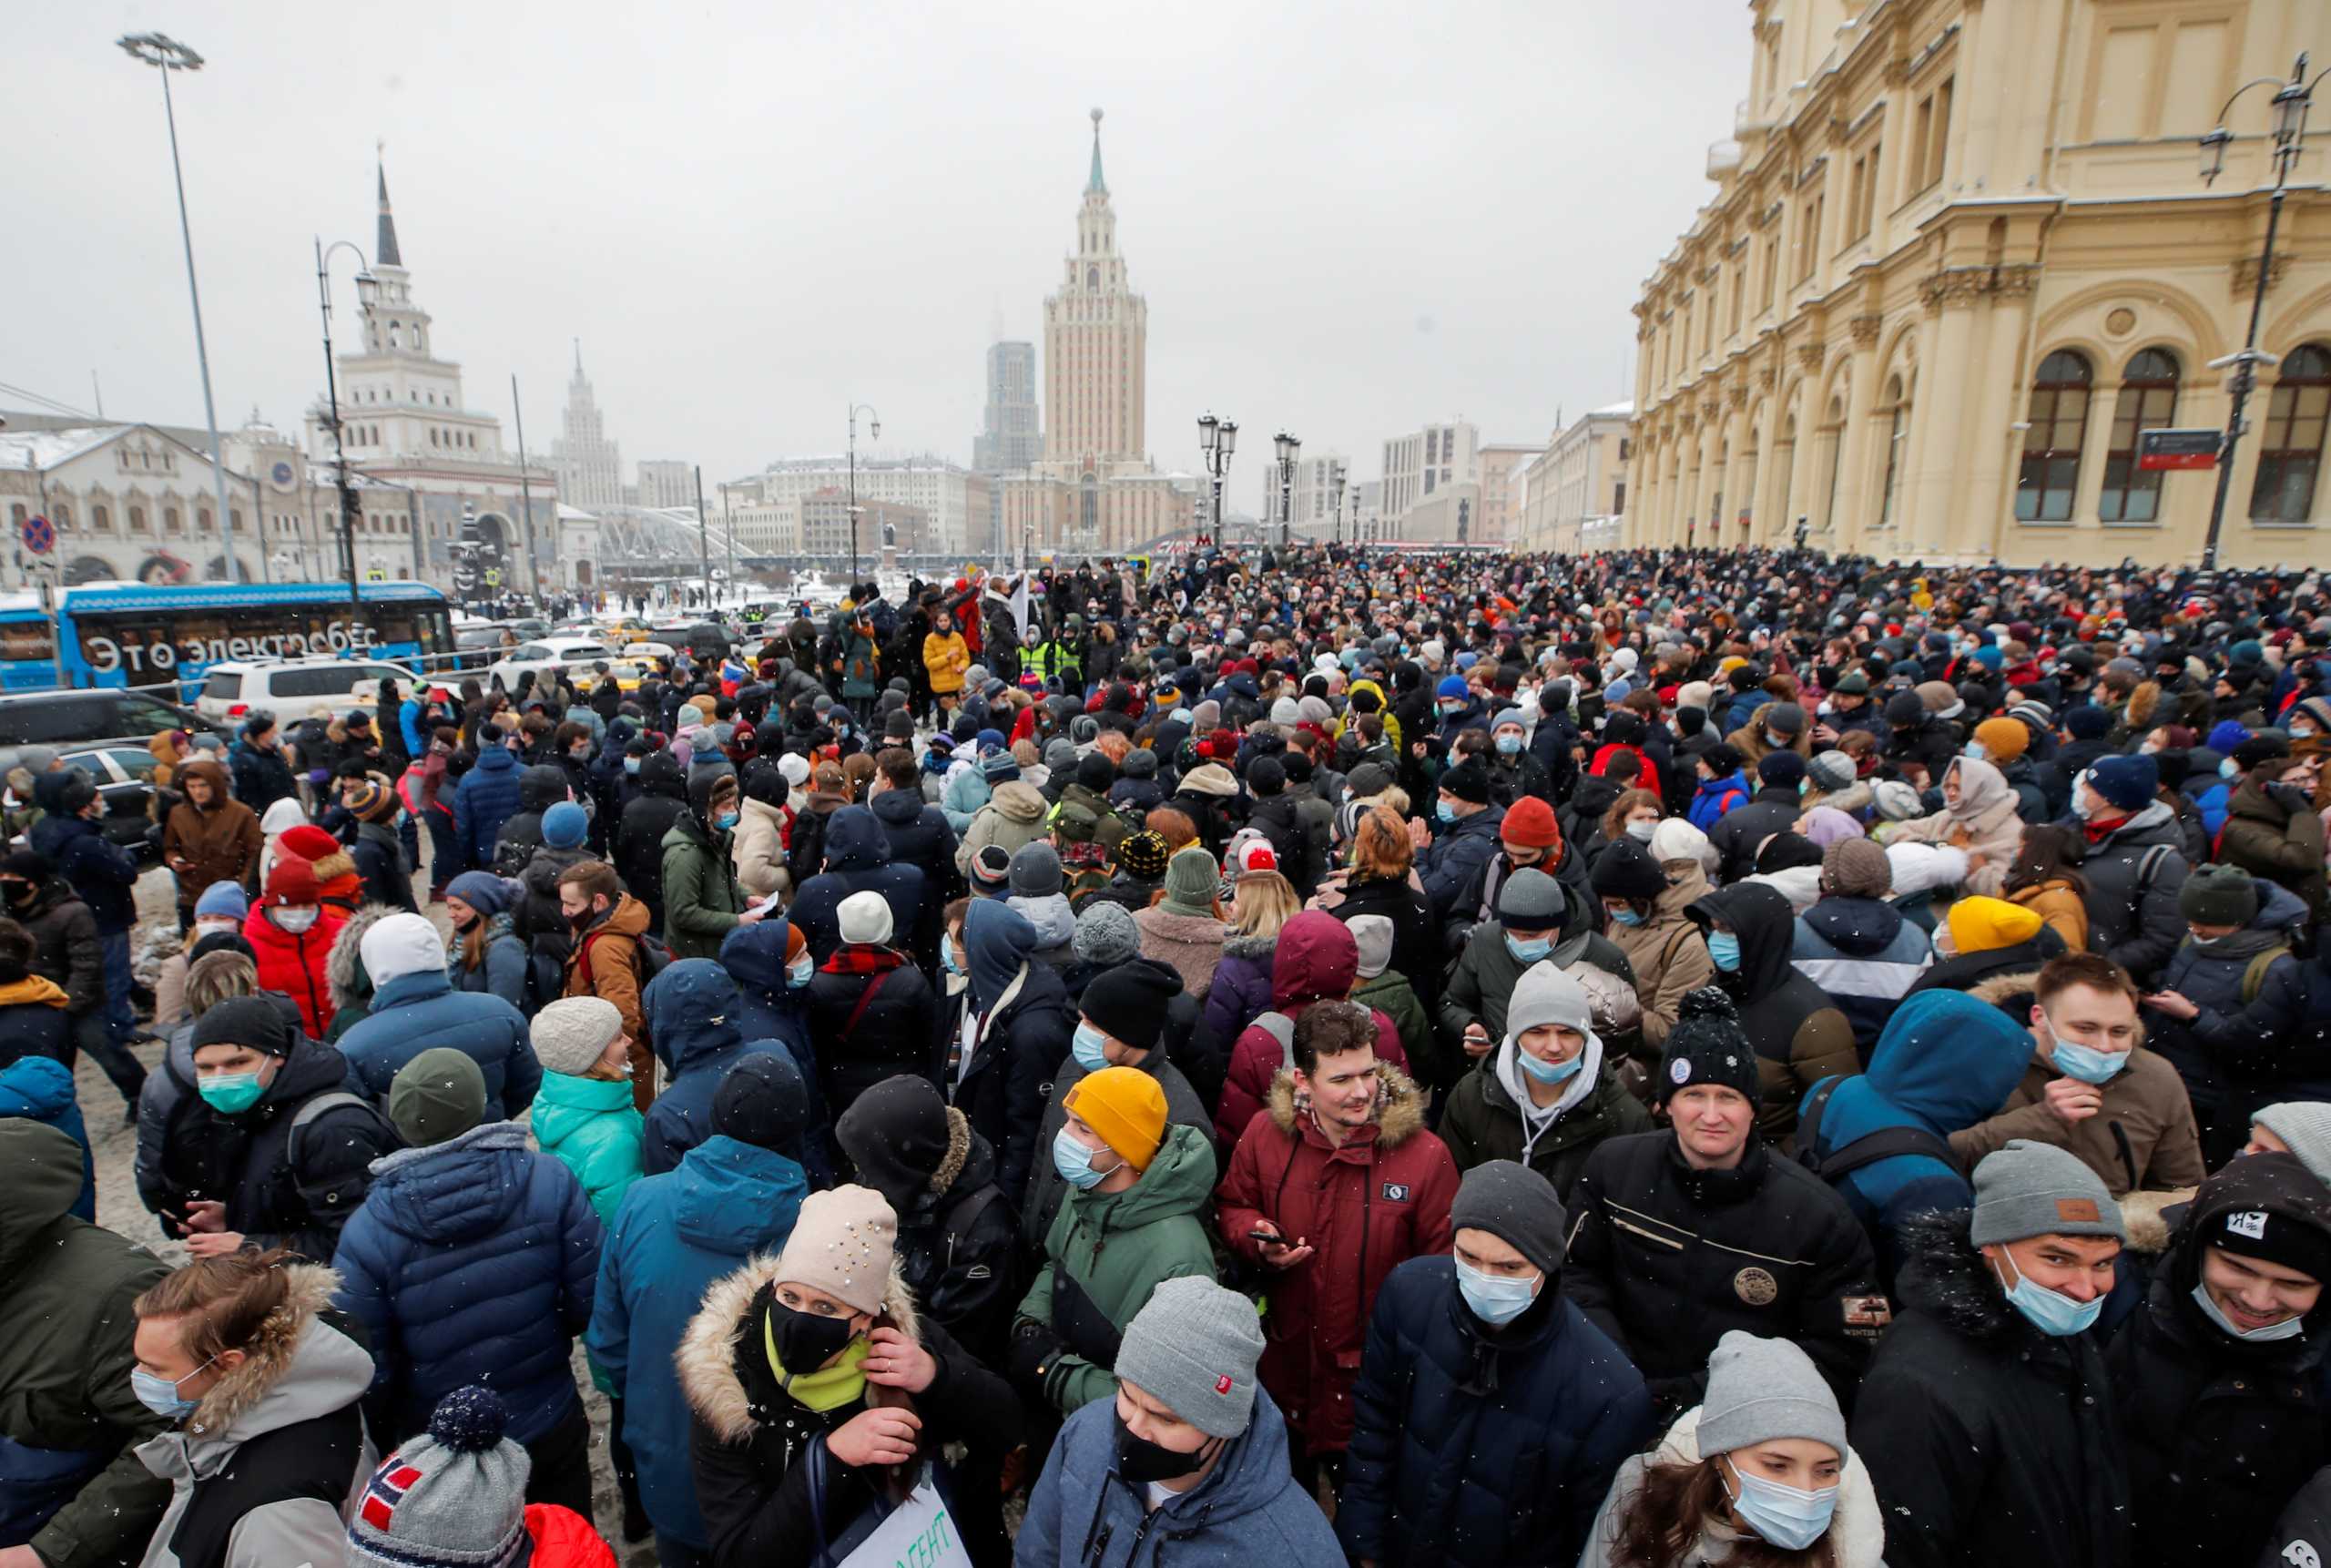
x,y
39,535
2167,449
375,575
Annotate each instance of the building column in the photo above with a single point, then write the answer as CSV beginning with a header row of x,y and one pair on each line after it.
x,y
1999,400
2095,441
1857,498
1768,500
1796,499
1938,430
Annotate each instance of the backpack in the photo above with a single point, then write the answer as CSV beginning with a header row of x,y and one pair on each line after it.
x,y
1282,1028
1886,1143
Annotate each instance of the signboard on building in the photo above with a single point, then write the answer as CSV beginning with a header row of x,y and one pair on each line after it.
x,y
2167,449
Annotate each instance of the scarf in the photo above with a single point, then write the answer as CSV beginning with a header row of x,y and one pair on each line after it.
x,y
828,1388
864,958
33,991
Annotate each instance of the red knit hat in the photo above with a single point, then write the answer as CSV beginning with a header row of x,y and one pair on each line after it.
x,y
293,881
309,842
1529,823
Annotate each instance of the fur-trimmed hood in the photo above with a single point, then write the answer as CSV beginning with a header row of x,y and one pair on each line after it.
x,y
1399,1105
344,966
2149,1220
1945,1275
707,1356
2000,990
1257,948
299,1366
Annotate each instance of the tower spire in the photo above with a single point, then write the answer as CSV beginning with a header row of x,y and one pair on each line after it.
x,y
385,246
1095,186
578,359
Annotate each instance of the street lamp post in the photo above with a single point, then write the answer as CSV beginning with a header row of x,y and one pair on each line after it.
x,y
2291,102
1289,449
1218,438
166,55
874,428
1337,485
368,288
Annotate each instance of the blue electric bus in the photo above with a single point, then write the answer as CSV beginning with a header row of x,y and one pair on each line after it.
x,y
131,633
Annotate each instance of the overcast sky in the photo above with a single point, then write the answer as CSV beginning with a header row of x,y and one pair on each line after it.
x,y
1349,218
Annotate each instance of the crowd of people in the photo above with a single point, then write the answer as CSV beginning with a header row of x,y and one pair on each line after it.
x,y
1643,1061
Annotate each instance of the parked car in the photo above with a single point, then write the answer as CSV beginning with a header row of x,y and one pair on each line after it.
x,y
292,687
477,646
101,717
125,778
547,653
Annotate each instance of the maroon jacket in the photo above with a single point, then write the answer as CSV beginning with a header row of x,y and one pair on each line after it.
x,y
1317,961
1367,1206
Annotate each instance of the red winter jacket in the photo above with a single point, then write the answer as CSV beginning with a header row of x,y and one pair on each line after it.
x,y
1317,961
1367,1206
294,965
562,1538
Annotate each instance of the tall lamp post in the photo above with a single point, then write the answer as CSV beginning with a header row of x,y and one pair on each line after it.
x,y
368,289
874,430
1218,438
1289,449
2291,102
166,55
1336,486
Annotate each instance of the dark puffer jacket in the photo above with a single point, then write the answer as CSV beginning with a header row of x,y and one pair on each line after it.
x,y
1988,1441
639,839
692,1016
101,872
858,1046
858,861
919,836
2220,1433
471,1261
1001,1090
2133,918
1665,1258
1799,1034
67,951
483,800
420,1011
1483,1447
540,787
2243,1049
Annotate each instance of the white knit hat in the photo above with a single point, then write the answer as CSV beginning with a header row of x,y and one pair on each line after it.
x,y
574,1032
400,945
865,917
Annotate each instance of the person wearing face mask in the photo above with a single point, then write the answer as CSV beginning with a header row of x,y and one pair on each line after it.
x,y
1686,1232
607,958
2093,1087
2217,1377
483,952
817,1390
260,1386
222,910
268,1147
1515,773
1453,854
475,1256
1490,1415
2134,864
1137,1187
1662,946
2232,1000
1759,1472
1539,920
1988,1420
1192,1449
583,1113
702,902
2274,831
292,933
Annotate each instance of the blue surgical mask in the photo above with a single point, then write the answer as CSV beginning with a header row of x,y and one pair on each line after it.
x,y
726,820
1783,1516
160,1395
1073,1161
2086,1063
1627,917
1494,1300
1443,809
231,1094
2288,1329
2226,769
1724,951
631,764
1528,951
2052,1312
1979,752
1090,1047
1509,745
799,973
1549,1072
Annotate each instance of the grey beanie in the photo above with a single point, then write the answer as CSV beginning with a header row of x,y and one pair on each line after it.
x,y
1760,1390
1530,900
1373,933
1105,933
2218,895
1512,716
1547,994
2029,1189
1192,1348
1060,755
1896,802
1286,713
1035,871
573,1033
2305,1126
1517,1206
1831,771
454,1495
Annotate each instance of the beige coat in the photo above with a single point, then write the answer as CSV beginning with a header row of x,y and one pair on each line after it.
x,y
1192,944
1014,816
1984,823
757,848
1669,955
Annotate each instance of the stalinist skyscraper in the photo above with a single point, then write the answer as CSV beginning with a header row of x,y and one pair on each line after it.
x,y
1094,490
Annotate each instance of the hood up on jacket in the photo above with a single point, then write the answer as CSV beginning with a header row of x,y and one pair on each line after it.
x,y
1857,927
1947,1059
997,941
1055,923
661,774
298,1366
855,841
1856,1533
1766,928
1019,800
1317,958
692,1009
44,1183
896,807
542,786
210,773
730,1197
754,956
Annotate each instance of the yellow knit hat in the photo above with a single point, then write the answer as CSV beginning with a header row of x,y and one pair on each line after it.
x,y
1981,924
1126,1108
2004,739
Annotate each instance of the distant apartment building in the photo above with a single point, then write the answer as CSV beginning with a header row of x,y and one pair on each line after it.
x,y
1011,437
1576,494
664,482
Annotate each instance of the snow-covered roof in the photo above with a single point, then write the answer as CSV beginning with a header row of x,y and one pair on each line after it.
x,y
46,449
575,515
1614,411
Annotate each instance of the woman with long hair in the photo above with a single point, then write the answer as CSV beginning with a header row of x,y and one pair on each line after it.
x,y
1759,1476
1633,815
484,953
1261,902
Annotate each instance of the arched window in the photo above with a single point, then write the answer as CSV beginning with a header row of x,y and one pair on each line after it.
x,y
2290,449
2058,422
101,518
61,514
1897,436
2148,402
138,519
172,521
203,520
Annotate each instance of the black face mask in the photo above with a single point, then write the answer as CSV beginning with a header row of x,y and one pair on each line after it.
x,y
21,892
1142,1462
582,921
806,1341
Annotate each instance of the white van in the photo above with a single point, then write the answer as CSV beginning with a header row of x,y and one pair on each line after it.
x,y
291,688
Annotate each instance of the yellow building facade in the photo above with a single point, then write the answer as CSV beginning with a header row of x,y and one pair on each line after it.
x,y
1959,254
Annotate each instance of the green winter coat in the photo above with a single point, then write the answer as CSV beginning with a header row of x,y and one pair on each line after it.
x,y
65,1362
590,1125
1487,972
1480,1123
701,897
1391,994
1119,1246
